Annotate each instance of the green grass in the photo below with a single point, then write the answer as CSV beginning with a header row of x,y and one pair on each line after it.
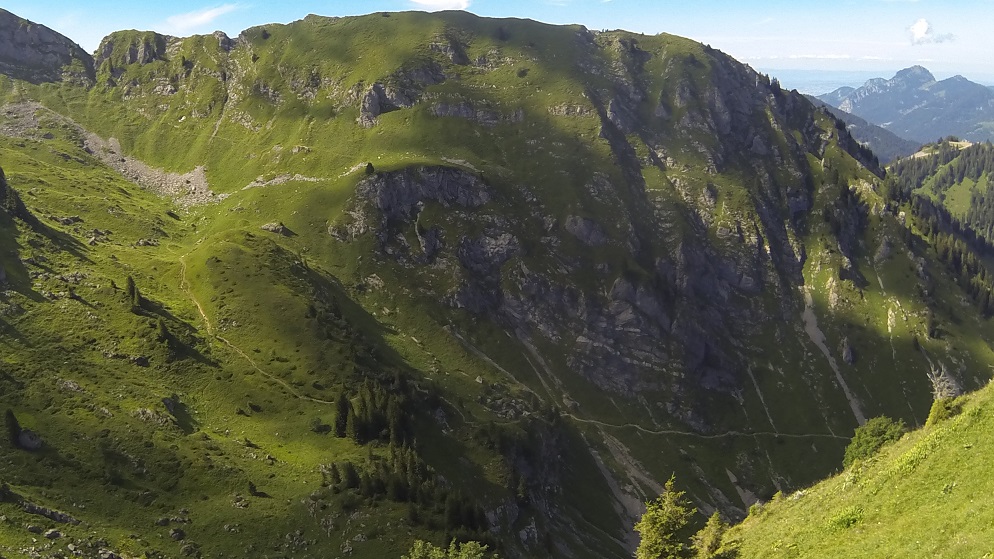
x,y
266,330
921,496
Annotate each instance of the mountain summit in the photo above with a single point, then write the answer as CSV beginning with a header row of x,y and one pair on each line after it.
x,y
912,77
35,53
329,286
914,106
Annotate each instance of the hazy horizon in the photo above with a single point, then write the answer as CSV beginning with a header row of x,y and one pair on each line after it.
x,y
819,82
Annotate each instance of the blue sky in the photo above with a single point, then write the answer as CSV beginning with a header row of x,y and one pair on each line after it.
x,y
844,37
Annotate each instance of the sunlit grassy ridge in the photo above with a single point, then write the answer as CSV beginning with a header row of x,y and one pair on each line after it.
x,y
923,496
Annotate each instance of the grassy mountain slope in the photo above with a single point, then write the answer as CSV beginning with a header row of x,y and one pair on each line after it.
x,y
578,262
923,496
91,376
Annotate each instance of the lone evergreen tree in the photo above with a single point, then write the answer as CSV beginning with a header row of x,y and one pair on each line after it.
x,y
342,409
395,421
13,428
134,295
163,332
351,429
659,527
336,476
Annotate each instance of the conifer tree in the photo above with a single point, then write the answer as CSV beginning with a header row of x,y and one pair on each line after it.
x,y
707,544
342,410
351,427
659,527
163,332
13,428
134,296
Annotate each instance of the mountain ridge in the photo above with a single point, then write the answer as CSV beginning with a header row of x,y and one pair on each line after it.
x,y
38,54
535,242
885,144
915,106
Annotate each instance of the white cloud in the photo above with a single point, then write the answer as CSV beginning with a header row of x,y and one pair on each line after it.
x,y
922,33
198,18
433,5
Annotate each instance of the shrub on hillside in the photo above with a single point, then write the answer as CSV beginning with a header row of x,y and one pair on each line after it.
x,y
468,550
942,409
708,542
870,437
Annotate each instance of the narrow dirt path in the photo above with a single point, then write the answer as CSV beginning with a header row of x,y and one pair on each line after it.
x,y
702,436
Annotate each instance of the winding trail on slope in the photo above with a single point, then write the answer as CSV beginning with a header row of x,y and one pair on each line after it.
x,y
185,286
703,436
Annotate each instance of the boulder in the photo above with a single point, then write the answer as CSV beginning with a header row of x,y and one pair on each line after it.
x,y
278,228
588,231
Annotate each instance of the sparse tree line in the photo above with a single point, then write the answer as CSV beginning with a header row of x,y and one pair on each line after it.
x,y
403,477
972,163
374,414
956,244
381,412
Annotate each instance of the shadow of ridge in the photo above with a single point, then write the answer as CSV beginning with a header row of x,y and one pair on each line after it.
x,y
8,331
181,413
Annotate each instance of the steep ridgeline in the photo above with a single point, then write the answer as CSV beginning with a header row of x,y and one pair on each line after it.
x,y
434,275
886,145
37,54
913,105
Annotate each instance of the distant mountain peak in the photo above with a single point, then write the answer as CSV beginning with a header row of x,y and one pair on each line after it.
x,y
914,74
916,70
914,105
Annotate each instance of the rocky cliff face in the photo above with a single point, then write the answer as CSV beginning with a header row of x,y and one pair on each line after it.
x,y
673,325
886,145
37,54
125,48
